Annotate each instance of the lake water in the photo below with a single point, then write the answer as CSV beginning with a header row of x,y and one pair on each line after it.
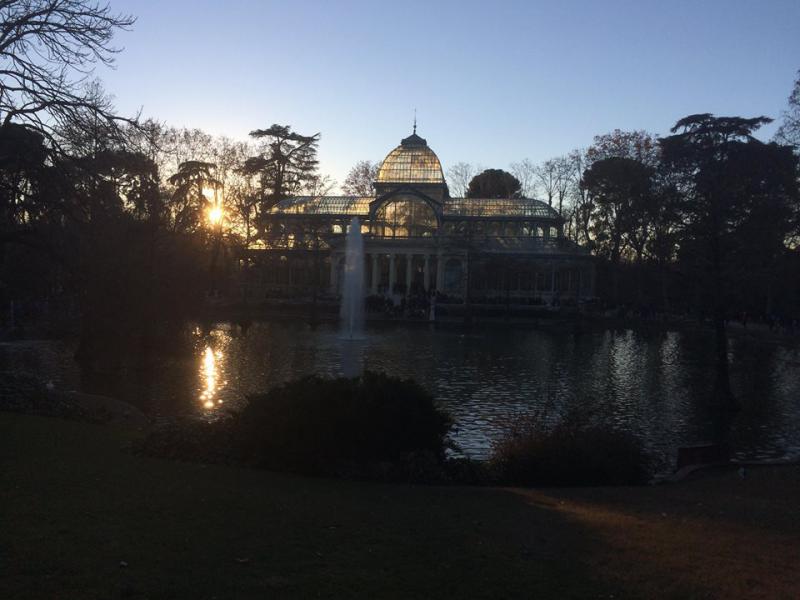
x,y
487,378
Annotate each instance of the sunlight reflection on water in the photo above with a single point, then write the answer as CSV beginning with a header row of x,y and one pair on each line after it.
x,y
650,383
647,383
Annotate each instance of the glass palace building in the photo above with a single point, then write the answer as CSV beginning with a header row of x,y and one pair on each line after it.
x,y
418,241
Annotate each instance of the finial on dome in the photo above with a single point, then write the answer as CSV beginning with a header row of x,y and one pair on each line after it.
x,y
415,121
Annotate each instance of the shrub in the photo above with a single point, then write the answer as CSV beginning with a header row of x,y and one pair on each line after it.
x,y
333,426
576,451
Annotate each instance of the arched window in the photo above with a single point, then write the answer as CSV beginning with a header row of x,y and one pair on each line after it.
x,y
403,217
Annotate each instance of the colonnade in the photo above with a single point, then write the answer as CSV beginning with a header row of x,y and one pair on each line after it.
x,y
376,270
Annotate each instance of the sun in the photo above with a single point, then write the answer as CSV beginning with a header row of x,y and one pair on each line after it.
x,y
215,215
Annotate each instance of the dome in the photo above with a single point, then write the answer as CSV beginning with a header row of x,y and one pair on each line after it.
x,y
411,162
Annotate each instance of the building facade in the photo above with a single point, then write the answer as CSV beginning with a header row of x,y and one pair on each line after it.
x,y
420,242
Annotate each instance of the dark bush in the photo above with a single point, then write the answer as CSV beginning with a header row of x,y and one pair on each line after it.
x,y
354,426
576,451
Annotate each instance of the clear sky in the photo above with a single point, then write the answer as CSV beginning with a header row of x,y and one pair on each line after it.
x,y
493,82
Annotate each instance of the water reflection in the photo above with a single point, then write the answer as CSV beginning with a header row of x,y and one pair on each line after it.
x,y
653,384
212,382
209,376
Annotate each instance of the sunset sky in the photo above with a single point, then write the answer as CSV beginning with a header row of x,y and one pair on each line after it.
x,y
492,82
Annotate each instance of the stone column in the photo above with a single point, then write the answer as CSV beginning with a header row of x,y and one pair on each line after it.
x,y
553,278
440,273
375,275
392,275
409,260
427,273
334,273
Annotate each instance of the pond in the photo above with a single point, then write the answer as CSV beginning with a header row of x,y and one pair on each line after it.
x,y
650,383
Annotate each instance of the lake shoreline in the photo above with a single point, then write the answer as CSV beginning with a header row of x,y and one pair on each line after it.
x,y
539,317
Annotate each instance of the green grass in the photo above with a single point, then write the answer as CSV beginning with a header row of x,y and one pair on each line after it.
x,y
74,505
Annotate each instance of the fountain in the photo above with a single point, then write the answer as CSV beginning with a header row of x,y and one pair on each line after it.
x,y
352,308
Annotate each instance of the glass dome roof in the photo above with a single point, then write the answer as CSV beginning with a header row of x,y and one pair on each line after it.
x,y
411,162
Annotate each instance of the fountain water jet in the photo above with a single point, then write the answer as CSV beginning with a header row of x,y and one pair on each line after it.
x,y
352,308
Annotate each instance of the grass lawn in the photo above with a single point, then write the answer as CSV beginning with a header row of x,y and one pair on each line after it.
x,y
80,518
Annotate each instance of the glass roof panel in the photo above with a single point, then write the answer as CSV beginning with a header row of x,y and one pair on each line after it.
x,y
323,205
498,207
411,164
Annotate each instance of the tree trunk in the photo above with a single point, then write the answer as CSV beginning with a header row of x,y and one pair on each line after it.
x,y
723,397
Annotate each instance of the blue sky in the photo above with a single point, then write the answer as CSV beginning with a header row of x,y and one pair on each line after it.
x,y
492,82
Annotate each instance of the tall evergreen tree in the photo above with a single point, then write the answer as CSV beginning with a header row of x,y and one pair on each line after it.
x,y
287,163
737,199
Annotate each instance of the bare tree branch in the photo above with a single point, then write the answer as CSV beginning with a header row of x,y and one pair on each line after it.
x,y
48,51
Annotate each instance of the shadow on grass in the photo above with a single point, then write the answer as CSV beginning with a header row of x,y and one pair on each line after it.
x,y
83,519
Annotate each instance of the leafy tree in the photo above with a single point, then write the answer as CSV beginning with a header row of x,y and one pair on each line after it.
x,y
664,222
494,183
737,200
188,200
125,181
47,47
618,187
22,166
287,163
636,145
360,179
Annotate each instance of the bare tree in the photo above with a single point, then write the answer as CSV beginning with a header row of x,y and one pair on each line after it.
x,y
360,178
547,179
459,176
48,50
563,181
319,185
580,202
525,172
789,131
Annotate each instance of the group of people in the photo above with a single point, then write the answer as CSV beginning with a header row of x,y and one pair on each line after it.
x,y
413,306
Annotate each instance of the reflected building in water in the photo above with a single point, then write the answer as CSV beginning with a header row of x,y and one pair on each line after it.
x,y
418,240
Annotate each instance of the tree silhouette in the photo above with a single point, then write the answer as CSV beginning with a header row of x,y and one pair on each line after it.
x,y
188,200
458,177
637,145
619,188
47,50
494,183
737,199
789,131
360,178
287,164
